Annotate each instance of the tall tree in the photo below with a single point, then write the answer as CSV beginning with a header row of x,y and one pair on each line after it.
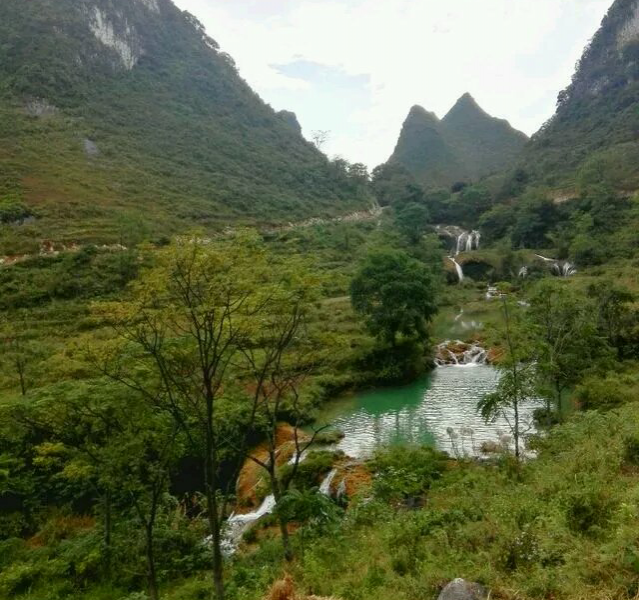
x,y
395,294
280,354
565,338
516,385
178,337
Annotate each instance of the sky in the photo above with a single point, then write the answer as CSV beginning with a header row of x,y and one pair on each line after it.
x,y
354,68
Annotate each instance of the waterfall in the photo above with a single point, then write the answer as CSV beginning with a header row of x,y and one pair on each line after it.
x,y
458,268
566,269
467,242
237,525
493,292
460,354
561,269
325,488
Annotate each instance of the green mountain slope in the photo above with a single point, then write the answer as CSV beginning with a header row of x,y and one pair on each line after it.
x,y
597,119
126,107
467,144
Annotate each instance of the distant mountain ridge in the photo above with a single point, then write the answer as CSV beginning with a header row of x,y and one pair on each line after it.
x,y
126,108
466,145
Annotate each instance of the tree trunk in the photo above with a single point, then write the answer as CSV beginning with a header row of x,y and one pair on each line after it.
x,y
215,524
216,538
283,522
23,383
150,563
107,533
516,431
559,412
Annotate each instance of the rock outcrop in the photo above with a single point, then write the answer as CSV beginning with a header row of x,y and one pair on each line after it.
x,y
460,589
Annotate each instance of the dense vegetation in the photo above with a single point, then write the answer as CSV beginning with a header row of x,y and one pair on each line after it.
x,y
152,386
81,143
596,118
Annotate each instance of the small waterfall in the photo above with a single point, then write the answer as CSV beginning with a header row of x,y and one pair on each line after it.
x,y
467,242
458,268
325,488
237,525
493,292
559,268
566,269
460,354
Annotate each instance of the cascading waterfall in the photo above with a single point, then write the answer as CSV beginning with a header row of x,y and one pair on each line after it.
x,y
460,354
237,525
325,488
559,268
463,241
467,242
458,268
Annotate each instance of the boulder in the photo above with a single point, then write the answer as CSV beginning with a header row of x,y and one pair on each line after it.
x,y
459,589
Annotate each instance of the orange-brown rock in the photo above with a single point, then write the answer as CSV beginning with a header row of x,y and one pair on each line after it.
x,y
284,589
495,355
253,476
353,478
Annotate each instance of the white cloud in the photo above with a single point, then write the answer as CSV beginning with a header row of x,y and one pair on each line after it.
x,y
514,56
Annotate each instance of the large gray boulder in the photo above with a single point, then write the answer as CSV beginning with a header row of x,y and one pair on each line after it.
x,y
459,589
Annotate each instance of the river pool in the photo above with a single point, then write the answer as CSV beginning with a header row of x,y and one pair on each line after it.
x,y
438,410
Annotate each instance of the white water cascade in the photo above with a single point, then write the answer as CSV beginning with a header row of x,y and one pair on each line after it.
x,y
325,488
460,354
458,268
467,242
559,268
460,241
237,525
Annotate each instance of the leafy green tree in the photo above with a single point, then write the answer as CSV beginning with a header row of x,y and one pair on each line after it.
x,y
280,353
178,338
103,439
475,200
517,383
566,342
313,509
406,473
395,294
393,183
496,223
536,215
617,319
412,219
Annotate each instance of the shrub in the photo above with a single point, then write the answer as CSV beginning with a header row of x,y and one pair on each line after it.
x,y
406,472
309,472
589,511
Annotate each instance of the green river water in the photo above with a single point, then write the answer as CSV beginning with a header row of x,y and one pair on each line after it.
x,y
439,410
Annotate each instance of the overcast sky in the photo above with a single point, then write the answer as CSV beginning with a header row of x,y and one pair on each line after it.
x,y
355,67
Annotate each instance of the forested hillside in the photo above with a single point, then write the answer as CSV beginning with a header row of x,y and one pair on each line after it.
x,y
113,110
597,119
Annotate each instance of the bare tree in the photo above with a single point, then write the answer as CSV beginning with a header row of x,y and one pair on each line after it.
x,y
181,333
280,358
320,138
